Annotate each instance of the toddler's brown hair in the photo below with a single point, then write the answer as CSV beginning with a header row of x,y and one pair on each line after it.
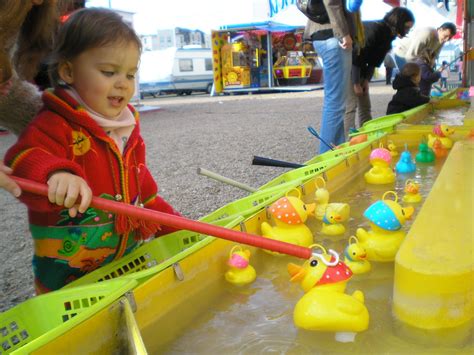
x,y
411,70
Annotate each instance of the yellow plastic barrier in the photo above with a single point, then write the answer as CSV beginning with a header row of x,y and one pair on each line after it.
x,y
434,268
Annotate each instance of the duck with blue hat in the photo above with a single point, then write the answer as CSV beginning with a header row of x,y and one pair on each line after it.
x,y
385,236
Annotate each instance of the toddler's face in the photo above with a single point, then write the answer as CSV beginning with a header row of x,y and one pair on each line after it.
x,y
416,79
104,77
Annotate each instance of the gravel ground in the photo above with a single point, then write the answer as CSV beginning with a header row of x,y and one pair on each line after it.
x,y
221,134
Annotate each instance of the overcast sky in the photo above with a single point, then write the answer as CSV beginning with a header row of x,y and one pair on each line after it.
x,y
205,15
200,14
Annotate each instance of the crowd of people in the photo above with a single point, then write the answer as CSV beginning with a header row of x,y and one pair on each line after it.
x,y
82,138
351,50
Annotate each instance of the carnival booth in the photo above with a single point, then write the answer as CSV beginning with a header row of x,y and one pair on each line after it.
x,y
263,56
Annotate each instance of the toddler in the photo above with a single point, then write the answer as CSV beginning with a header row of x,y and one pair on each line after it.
x,y
408,93
429,76
86,141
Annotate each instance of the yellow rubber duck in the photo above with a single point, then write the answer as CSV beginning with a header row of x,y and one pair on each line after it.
x,y
325,306
332,221
441,132
241,272
381,172
321,197
412,192
386,220
440,151
355,257
392,148
289,214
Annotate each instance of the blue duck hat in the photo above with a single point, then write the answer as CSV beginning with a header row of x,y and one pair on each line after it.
x,y
382,216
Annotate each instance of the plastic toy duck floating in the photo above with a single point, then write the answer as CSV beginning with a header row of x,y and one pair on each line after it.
x,y
405,165
289,214
241,272
425,154
325,306
380,173
333,218
439,150
412,192
355,257
441,132
393,149
321,197
386,220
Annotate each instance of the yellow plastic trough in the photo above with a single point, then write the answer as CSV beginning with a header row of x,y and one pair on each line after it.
x,y
432,283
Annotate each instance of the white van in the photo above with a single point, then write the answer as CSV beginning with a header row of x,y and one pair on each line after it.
x,y
174,70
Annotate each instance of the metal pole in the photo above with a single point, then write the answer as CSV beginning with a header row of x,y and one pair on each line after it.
x,y
225,180
270,59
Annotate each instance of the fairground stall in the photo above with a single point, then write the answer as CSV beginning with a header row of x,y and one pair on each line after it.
x,y
365,248
263,56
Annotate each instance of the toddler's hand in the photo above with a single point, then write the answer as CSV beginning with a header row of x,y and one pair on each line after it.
x,y
64,190
7,183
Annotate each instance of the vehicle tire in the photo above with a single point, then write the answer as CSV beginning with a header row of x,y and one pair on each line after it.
x,y
209,88
180,93
188,92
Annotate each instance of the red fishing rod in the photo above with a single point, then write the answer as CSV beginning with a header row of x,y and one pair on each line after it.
x,y
179,222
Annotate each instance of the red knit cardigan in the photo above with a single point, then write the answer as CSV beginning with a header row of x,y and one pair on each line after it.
x,y
64,137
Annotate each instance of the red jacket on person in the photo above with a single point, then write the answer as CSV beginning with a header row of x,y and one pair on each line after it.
x,y
64,137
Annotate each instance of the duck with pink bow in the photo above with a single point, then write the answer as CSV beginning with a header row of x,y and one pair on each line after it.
x,y
240,271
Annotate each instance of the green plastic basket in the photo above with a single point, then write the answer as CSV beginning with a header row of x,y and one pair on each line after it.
x,y
158,254
298,176
40,319
254,202
154,256
341,153
379,126
316,166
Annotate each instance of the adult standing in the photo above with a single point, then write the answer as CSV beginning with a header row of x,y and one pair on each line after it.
x,y
332,40
423,40
378,42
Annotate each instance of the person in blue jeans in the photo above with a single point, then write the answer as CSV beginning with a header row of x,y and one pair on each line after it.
x,y
332,39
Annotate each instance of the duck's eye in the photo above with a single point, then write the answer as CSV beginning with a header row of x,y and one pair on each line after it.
x,y
403,212
304,207
353,253
314,263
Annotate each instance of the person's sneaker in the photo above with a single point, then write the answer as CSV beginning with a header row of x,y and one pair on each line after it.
x,y
3,132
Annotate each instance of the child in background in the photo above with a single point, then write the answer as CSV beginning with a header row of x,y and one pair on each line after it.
x,y
86,141
408,93
444,75
428,75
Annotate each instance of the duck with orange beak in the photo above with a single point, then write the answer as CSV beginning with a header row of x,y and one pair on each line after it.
x,y
386,235
441,132
325,306
332,221
355,257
